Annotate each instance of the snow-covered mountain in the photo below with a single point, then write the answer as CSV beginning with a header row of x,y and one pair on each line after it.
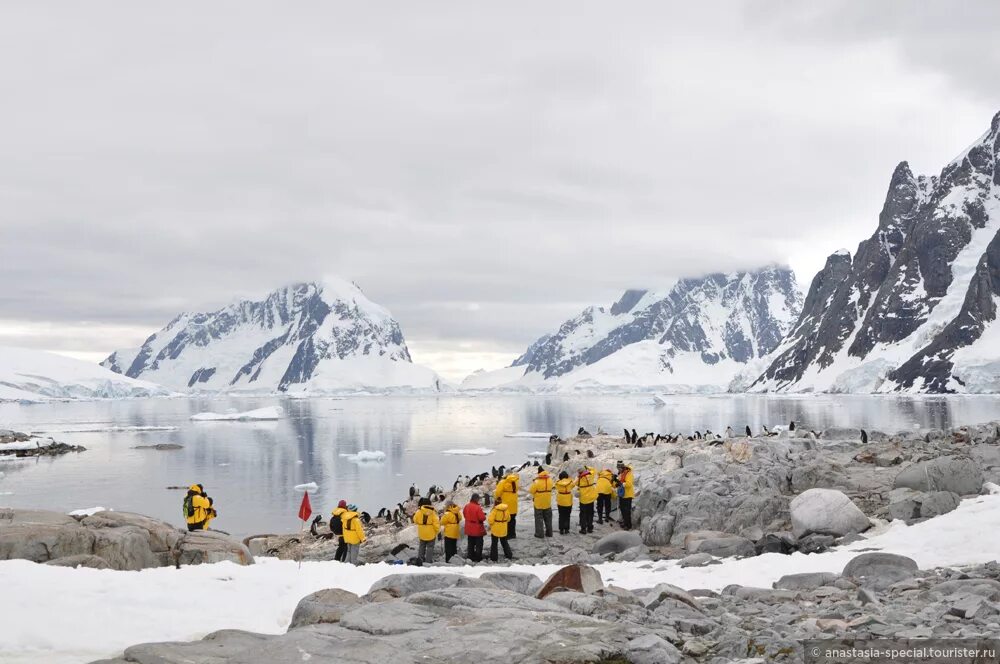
x,y
695,337
309,337
915,310
34,375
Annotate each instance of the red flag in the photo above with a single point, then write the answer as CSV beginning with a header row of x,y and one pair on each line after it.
x,y
305,509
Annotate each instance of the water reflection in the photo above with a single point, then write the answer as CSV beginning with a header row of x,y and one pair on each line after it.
x,y
251,468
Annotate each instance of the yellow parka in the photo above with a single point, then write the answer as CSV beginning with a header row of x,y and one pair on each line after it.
x,y
587,484
200,506
541,490
507,492
428,523
564,492
604,485
354,532
450,519
498,519
627,478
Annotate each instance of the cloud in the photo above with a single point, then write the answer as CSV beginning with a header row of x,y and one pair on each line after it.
x,y
483,171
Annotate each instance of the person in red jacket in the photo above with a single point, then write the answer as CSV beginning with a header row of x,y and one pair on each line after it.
x,y
475,529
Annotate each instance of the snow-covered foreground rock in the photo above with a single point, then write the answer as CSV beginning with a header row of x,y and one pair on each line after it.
x,y
162,604
310,338
915,309
33,375
695,337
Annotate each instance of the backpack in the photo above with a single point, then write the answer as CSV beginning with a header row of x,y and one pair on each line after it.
x,y
188,506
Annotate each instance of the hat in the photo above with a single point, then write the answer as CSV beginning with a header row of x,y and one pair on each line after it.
x,y
475,498
342,503
352,507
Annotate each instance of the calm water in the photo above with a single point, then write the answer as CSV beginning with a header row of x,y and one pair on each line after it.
x,y
251,468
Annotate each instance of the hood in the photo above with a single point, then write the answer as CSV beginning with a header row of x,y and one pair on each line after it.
x,y
607,474
502,507
543,475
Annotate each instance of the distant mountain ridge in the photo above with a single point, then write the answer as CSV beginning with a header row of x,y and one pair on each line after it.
x,y
915,309
322,336
696,336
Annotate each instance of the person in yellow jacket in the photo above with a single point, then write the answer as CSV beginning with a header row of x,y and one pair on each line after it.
x,y
605,487
354,532
451,519
428,527
626,492
506,493
564,501
198,510
499,520
541,493
586,484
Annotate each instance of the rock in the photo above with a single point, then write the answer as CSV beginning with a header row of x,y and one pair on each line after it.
x,y
617,542
403,585
768,595
904,504
692,539
781,542
518,582
480,598
694,647
724,547
388,618
958,475
651,649
323,606
581,578
971,606
937,503
85,560
826,512
640,552
805,581
831,625
206,546
815,543
880,570
658,529
697,560
866,596
664,591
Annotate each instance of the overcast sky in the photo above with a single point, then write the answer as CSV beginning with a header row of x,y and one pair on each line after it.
x,y
484,170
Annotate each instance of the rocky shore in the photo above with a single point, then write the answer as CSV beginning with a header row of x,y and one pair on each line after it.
x,y
713,496
19,444
574,616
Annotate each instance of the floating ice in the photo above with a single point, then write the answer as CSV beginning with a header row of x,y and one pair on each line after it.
x,y
258,415
472,451
528,434
308,486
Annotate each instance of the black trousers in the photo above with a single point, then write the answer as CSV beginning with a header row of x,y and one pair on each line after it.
x,y
512,527
603,507
450,548
475,548
507,553
625,505
196,526
586,517
564,513
341,553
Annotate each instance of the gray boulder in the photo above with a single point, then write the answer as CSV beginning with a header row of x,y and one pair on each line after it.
x,y
617,542
389,618
86,560
651,649
724,547
518,582
696,560
937,503
956,474
805,581
827,512
904,504
480,598
880,570
403,585
323,606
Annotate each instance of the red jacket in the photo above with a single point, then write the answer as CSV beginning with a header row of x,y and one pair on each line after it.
x,y
474,519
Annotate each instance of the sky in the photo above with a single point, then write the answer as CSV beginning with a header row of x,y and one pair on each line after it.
x,y
483,170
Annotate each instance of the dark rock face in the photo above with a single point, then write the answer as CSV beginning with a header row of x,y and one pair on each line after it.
x,y
285,336
741,316
923,286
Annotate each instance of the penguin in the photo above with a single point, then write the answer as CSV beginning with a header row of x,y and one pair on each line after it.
x,y
395,516
366,518
628,438
396,550
697,435
749,433
864,437
590,454
729,432
565,457
767,432
413,490
791,425
536,464
487,500
381,513
548,459
454,487
639,444
501,471
635,437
